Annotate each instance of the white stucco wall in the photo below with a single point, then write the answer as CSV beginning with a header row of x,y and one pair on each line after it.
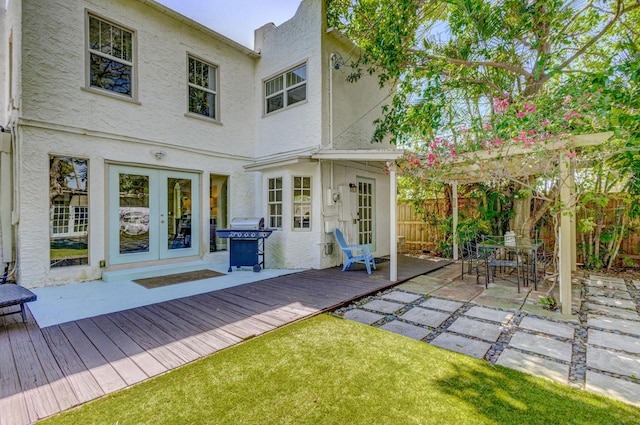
x,y
33,229
292,43
55,44
59,115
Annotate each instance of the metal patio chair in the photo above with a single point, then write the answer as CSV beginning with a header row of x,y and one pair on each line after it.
x,y
355,253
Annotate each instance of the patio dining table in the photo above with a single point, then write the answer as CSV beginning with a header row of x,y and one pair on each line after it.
x,y
524,247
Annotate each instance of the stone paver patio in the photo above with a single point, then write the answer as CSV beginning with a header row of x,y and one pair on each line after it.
x,y
596,349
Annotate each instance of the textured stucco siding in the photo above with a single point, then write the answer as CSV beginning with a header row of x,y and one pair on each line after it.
x,y
54,41
33,229
289,248
295,248
292,43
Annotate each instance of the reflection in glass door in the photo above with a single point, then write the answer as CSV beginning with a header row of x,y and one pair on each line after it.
x,y
179,213
133,213
153,214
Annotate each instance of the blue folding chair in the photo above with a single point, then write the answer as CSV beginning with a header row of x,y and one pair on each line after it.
x,y
355,253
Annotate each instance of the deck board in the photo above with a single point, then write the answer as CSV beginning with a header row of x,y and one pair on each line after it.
x,y
82,382
39,395
141,357
123,365
44,371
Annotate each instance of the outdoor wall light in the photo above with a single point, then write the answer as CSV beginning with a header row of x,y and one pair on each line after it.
x,y
159,154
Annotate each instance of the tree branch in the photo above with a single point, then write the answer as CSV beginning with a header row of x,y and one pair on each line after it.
x,y
620,10
477,64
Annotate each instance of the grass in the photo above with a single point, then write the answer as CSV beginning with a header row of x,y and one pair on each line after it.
x,y
326,370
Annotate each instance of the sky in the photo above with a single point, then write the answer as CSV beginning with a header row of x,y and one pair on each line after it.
x,y
235,19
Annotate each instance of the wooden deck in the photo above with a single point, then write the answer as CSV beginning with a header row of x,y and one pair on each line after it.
x,y
45,371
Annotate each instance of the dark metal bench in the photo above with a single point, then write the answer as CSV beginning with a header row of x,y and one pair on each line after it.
x,y
12,294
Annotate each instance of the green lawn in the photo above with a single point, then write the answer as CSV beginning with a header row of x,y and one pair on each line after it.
x,y
327,370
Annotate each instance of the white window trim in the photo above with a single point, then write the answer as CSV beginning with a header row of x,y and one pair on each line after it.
x,y
270,203
285,89
294,203
134,55
216,92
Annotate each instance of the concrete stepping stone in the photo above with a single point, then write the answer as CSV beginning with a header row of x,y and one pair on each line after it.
x,y
461,344
420,287
606,310
614,302
636,284
626,343
613,387
483,330
459,291
490,314
425,316
406,329
440,304
382,306
402,297
603,292
612,361
543,345
548,327
597,277
362,316
602,282
534,365
613,324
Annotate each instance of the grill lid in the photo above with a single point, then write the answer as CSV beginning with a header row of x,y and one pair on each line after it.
x,y
247,223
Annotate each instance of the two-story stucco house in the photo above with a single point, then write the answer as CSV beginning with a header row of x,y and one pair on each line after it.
x,y
131,133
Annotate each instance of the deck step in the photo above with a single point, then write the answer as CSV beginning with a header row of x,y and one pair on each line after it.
x,y
154,271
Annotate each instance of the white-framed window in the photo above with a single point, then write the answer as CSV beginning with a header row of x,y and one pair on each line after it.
x,y
302,202
110,56
275,202
286,89
68,211
203,88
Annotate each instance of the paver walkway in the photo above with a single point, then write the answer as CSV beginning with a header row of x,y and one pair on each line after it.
x,y
597,350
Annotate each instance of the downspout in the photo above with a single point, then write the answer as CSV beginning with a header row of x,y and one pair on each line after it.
x,y
332,62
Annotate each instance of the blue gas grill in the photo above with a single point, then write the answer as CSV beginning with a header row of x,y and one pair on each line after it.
x,y
246,242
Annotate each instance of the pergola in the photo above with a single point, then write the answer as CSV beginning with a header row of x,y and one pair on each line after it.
x,y
484,164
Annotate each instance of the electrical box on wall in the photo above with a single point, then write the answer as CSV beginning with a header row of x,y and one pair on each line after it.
x,y
332,197
330,225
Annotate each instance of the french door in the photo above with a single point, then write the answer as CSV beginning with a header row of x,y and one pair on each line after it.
x,y
153,214
366,212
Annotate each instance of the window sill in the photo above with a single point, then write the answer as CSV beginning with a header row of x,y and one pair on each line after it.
x,y
302,102
202,118
111,95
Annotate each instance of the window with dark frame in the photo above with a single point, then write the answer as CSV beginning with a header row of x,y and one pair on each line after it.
x,y
203,88
110,57
286,89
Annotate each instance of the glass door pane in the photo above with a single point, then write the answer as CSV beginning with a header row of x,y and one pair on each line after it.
x,y
179,203
366,223
134,213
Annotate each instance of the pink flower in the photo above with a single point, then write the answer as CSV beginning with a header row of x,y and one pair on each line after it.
x,y
567,99
546,123
521,114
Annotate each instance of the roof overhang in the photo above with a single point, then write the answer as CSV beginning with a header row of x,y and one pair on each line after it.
x,y
353,155
380,155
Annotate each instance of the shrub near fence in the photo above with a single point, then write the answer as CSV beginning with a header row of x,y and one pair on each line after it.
x,y
420,234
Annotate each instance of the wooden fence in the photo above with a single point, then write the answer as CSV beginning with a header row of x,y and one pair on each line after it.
x,y
416,234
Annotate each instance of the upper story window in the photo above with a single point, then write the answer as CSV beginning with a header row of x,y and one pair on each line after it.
x,y
110,57
203,88
275,202
286,89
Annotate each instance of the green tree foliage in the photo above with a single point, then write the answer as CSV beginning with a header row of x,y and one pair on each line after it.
x,y
474,74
